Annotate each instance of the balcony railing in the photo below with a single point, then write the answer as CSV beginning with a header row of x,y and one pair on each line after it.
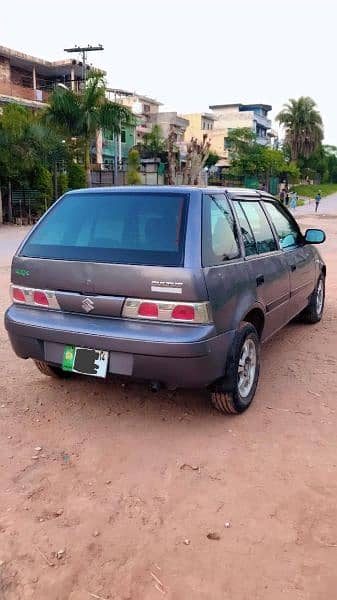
x,y
263,121
26,93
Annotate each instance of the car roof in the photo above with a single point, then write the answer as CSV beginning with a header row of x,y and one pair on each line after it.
x,y
176,189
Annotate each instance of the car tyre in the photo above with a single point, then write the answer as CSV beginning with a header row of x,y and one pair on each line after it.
x,y
50,370
314,311
235,393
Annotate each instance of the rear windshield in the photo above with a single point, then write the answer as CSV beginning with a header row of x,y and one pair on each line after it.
x,y
123,227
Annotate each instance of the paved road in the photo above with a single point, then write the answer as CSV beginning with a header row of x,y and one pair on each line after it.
x,y
10,238
327,206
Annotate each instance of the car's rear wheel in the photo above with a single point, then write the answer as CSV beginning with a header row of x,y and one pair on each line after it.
x,y
235,393
50,370
314,311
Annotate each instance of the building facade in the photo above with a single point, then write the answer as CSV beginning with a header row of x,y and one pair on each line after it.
x,y
143,107
28,80
199,125
169,121
233,116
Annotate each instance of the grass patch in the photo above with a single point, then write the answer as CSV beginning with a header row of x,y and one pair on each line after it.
x,y
310,191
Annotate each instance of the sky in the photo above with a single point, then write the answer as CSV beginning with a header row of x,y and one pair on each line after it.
x,y
189,54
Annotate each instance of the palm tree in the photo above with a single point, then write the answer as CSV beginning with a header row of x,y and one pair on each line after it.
x,y
303,126
81,115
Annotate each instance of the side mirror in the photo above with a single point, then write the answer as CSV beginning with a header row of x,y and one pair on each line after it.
x,y
314,236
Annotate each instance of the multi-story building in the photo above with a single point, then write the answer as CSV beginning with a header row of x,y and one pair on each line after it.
x,y
29,81
233,116
199,125
171,120
143,107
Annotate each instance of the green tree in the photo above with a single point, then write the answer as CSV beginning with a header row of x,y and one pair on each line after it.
x,y
81,115
250,158
76,176
133,175
154,143
303,126
212,160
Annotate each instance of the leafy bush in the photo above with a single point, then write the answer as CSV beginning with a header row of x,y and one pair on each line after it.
x,y
133,175
76,176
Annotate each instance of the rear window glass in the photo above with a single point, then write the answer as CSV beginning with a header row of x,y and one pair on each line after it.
x,y
127,228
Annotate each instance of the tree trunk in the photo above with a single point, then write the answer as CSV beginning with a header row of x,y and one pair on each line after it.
x,y
87,162
171,157
10,209
197,154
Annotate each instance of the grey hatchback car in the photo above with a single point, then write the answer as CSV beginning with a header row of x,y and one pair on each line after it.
x,y
178,286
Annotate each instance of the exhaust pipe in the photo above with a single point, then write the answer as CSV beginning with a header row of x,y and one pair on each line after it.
x,y
155,386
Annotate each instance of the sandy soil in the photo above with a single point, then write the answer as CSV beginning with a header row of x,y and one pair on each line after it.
x,y
126,485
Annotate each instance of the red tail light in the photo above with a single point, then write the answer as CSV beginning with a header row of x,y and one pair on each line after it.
x,y
148,309
159,310
40,298
31,297
183,312
18,295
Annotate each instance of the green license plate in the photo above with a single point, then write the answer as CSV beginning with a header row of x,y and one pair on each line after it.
x,y
86,361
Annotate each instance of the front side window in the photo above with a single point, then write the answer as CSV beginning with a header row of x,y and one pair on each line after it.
x,y
287,231
118,227
264,237
219,242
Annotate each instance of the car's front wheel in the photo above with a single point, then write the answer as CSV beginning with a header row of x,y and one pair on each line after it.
x,y
236,392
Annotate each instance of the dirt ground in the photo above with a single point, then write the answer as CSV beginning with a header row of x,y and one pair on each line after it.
x,y
109,492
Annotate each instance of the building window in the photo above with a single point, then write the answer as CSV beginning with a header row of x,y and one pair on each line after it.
x,y
146,109
123,136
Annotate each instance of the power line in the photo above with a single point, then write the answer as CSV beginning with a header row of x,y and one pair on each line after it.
x,y
83,50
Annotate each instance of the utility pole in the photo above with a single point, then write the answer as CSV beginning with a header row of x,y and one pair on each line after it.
x,y
117,137
83,50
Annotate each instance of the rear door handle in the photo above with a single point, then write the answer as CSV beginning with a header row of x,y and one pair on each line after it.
x,y
293,268
259,280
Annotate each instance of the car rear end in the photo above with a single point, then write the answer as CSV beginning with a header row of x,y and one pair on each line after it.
x,y
110,281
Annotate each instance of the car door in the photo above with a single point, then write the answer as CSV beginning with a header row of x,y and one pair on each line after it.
x,y
265,262
224,268
298,255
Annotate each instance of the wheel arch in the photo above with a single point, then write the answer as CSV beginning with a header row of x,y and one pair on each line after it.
x,y
256,317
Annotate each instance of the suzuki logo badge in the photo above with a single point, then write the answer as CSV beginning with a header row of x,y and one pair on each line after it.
x,y
88,305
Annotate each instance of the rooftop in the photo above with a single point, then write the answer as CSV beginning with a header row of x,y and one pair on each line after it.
x,y
241,106
57,68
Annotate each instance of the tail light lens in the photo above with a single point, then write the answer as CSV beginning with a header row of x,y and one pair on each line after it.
x,y
188,312
183,312
31,297
40,298
148,309
18,295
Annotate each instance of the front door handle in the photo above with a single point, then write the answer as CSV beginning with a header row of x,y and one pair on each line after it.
x,y
293,268
259,280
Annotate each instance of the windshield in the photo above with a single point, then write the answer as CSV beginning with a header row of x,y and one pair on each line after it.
x,y
119,227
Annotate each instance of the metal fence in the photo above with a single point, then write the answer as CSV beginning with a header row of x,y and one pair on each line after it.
x,y
27,206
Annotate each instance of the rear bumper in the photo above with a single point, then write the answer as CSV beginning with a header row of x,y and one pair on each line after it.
x,y
175,354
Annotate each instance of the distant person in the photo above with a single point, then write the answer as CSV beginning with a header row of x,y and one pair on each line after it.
x,y
282,196
293,200
318,198
287,198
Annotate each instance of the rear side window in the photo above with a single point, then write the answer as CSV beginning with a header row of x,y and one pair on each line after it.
x,y
286,229
246,231
219,235
127,228
264,237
